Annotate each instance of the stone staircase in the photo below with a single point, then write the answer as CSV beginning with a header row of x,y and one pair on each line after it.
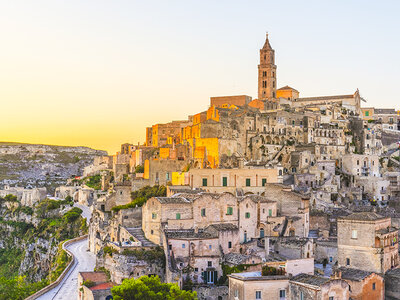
x,y
138,233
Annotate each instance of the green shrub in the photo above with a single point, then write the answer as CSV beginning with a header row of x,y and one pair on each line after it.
x,y
140,196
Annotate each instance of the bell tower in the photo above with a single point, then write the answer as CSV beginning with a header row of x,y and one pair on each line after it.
x,y
267,72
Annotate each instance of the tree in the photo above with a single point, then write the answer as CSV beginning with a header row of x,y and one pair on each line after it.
x,y
150,288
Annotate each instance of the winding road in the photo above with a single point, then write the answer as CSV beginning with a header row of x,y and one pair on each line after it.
x,y
84,261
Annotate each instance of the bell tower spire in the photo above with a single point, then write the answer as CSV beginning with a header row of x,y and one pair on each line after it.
x,y
267,72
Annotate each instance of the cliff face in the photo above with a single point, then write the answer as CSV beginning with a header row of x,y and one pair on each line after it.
x,y
30,237
42,165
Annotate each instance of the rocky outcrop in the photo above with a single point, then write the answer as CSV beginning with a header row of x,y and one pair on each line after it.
x,y
43,165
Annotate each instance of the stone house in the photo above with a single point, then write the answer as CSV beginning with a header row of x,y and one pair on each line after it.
x,y
367,241
252,285
363,285
361,165
230,180
326,250
94,286
293,247
307,287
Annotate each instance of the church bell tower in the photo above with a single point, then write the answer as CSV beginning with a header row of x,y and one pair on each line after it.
x,y
267,72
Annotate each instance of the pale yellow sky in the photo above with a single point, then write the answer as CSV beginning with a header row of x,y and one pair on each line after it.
x,y
96,73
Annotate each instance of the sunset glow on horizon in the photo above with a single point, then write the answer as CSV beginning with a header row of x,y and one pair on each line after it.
x,y
97,73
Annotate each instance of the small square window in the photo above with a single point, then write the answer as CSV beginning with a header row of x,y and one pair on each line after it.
x,y
229,245
154,216
183,246
270,212
258,294
210,247
347,261
209,263
247,215
204,181
196,269
374,286
248,181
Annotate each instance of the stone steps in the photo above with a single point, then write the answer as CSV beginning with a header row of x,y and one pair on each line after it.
x,y
139,235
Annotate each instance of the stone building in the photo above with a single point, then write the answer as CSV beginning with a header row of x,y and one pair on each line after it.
x,y
307,287
231,180
363,285
367,241
94,286
240,100
27,197
251,285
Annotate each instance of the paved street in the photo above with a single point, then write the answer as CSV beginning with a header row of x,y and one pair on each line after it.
x,y
85,261
68,288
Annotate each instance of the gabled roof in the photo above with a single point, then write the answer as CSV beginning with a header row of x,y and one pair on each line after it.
x,y
286,87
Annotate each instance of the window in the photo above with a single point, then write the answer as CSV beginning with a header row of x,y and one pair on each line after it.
x,y
178,216
229,210
354,234
330,258
248,181
170,247
183,246
151,231
204,181
301,296
264,181
196,269
210,247
258,294
367,113
261,232
224,181
229,245
154,216
209,263
331,298
270,212
282,294
236,293
247,215
374,286
203,212
347,261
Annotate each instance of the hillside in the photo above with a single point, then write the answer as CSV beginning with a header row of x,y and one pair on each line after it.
x,y
42,165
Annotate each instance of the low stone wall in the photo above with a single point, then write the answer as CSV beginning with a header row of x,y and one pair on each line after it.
x,y
63,274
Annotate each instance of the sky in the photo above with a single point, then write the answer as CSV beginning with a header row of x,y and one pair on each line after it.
x,y
97,73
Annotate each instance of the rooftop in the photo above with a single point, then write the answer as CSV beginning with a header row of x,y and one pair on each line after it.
x,y
323,98
363,216
286,87
102,286
354,274
97,277
310,279
256,276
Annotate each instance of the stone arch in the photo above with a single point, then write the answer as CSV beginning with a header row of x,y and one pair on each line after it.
x,y
268,139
